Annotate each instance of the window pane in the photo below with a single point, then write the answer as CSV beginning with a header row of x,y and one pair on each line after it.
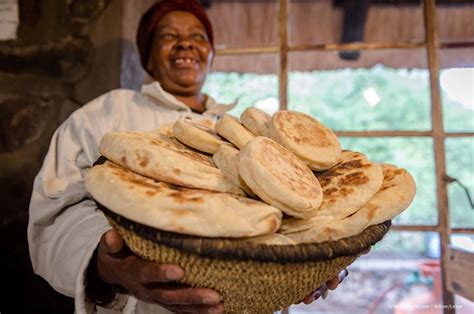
x,y
244,23
385,278
384,23
229,83
460,165
413,154
458,99
377,98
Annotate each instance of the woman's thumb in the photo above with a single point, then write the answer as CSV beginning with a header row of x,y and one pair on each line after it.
x,y
113,242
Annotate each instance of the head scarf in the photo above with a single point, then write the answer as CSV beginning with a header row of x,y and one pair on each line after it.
x,y
150,19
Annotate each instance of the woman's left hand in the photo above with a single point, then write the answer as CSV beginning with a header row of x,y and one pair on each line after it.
x,y
324,289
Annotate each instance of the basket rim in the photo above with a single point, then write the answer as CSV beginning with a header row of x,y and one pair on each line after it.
x,y
227,249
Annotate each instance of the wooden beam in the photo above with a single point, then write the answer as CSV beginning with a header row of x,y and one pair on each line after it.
x,y
384,133
431,39
283,72
398,134
432,228
222,50
357,46
462,230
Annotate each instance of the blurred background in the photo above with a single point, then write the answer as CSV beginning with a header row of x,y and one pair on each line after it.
x,y
394,79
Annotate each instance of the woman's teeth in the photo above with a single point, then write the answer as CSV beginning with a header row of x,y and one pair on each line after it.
x,y
184,60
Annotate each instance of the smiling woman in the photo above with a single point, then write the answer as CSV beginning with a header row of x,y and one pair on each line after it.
x,y
176,45
181,55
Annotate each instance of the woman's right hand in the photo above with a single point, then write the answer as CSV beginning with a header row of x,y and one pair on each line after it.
x,y
151,282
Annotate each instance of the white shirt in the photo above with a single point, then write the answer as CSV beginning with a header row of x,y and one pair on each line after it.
x,y
64,225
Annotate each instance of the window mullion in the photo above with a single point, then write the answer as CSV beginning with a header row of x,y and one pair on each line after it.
x,y
283,68
432,42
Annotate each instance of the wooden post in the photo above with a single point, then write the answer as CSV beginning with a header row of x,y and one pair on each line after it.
x,y
283,72
432,46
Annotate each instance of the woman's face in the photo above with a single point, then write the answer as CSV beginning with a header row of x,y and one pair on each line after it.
x,y
181,53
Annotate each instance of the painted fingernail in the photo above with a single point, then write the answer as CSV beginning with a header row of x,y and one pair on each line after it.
x,y
174,274
317,295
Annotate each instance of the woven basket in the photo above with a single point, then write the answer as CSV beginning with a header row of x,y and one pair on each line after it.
x,y
250,278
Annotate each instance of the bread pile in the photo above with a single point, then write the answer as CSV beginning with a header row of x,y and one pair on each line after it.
x,y
275,180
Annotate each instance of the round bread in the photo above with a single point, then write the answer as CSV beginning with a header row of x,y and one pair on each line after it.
x,y
170,208
346,188
197,136
279,178
395,195
256,121
232,130
163,158
307,138
226,159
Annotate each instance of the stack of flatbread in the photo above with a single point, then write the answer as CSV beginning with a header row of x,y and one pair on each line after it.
x,y
274,180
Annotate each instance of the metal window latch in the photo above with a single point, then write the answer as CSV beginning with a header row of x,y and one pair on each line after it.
x,y
449,180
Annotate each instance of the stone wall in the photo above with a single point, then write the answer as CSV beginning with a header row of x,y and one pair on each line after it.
x,y
67,52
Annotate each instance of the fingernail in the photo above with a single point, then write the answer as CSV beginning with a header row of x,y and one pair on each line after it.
x,y
174,274
343,275
317,295
210,300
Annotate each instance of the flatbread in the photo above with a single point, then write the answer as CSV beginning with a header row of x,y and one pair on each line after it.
x,y
395,195
198,136
279,178
346,188
256,121
163,158
307,138
232,130
227,159
171,208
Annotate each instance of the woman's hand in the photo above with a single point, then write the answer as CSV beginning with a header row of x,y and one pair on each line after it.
x,y
151,282
324,289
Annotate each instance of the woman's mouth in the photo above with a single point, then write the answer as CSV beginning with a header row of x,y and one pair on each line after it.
x,y
185,61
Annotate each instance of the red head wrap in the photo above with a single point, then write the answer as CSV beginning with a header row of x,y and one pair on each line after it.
x,y
150,19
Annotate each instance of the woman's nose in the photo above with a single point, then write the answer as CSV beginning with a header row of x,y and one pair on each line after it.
x,y
185,43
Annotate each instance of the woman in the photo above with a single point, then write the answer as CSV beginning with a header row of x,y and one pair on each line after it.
x,y
71,244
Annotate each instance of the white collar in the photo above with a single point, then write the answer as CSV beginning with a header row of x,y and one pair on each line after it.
x,y
165,99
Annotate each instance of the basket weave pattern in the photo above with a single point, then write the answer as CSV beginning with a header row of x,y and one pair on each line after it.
x,y
249,285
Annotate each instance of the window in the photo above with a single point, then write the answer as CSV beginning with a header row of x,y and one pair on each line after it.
x,y
405,116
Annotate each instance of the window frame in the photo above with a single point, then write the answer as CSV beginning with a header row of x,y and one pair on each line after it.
x,y
432,45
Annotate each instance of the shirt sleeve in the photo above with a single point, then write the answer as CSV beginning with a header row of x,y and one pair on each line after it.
x,y
64,224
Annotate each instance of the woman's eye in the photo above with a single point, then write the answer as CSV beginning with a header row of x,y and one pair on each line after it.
x,y
168,36
199,37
